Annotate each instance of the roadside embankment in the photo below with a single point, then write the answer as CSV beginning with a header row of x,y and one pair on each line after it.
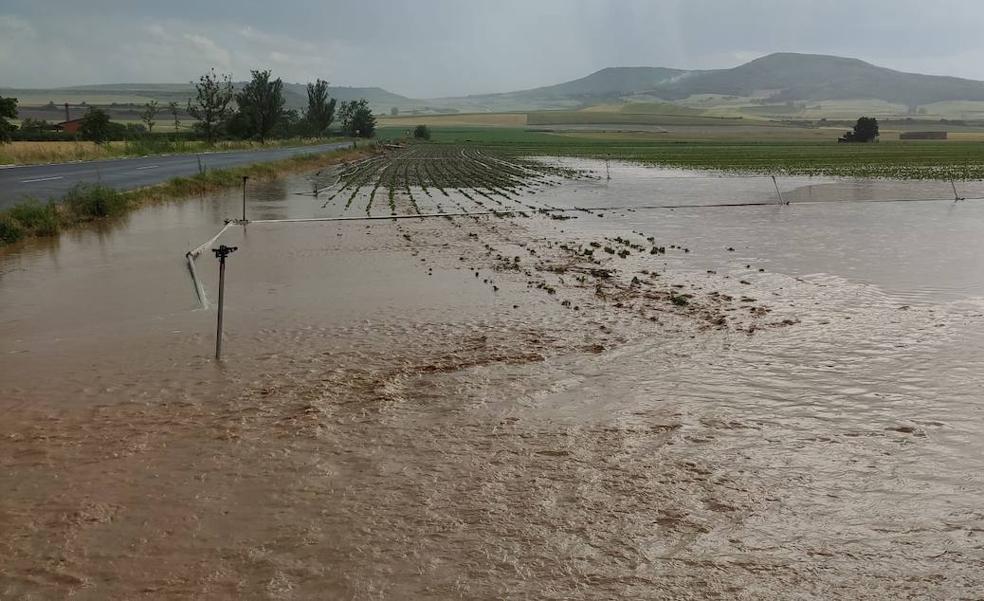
x,y
89,202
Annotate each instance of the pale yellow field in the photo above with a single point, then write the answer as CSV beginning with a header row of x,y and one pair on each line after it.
x,y
488,119
28,153
39,153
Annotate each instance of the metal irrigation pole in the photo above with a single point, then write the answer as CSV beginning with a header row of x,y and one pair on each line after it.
x,y
776,184
245,177
221,253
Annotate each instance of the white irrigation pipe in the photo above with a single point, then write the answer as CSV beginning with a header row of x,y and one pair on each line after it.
x,y
196,252
744,204
193,254
381,217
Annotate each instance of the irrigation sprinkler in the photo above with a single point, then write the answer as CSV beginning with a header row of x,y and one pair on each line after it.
x,y
956,197
221,253
776,184
608,171
245,177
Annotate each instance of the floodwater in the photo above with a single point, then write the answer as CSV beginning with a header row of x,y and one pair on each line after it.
x,y
398,418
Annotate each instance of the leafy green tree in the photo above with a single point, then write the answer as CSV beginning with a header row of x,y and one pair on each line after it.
x,y
95,126
173,108
395,111
211,108
291,124
357,118
865,130
422,132
149,114
34,125
321,108
261,103
8,110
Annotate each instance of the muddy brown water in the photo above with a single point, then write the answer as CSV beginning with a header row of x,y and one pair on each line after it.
x,y
388,424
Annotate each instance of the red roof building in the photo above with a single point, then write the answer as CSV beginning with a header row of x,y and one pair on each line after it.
x,y
71,127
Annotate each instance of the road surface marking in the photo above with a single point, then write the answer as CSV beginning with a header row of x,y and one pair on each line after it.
x,y
41,179
148,167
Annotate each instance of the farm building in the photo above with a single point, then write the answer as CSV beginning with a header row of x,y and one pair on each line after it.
x,y
923,135
70,127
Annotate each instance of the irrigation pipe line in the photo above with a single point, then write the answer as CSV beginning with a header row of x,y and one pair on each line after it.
x,y
747,204
383,217
191,255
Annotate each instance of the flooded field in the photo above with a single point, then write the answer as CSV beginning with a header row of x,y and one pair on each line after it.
x,y
594,389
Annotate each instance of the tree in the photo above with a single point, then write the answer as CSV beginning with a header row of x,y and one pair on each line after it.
x,y
261,104
421,132
865,130
321,108
172,107
8,110
290,125
34,125
149,113
95,126
395,111
211,108
357,118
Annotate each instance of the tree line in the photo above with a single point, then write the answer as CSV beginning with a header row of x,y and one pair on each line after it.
x,y
257,111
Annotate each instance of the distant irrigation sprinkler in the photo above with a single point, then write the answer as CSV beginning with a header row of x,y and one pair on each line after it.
x,y
608,171
245,178
221,253
778,193
956,196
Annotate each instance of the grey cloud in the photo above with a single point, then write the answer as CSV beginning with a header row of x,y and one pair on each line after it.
x,y
449,47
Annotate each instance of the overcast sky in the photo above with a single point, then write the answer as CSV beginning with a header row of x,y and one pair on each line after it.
x,y
427,48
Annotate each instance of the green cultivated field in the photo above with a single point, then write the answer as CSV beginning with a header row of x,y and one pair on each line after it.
x,y
625,118
902,160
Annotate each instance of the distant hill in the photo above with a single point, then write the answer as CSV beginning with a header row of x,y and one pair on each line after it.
x,y
381,100
770,80
607,84
141,93
789,77
776,78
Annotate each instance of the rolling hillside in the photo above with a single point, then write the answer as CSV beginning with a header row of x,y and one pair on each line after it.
x,y
770,80
789,77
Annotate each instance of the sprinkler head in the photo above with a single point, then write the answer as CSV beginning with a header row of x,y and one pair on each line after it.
x,y
224,251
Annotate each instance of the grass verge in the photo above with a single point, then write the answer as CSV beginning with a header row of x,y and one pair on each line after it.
x,y
90,202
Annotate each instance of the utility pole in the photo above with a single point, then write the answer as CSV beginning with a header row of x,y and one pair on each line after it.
x,y
245,177
221,253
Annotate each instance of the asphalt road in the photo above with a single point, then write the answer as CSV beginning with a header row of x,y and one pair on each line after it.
x,y
53,181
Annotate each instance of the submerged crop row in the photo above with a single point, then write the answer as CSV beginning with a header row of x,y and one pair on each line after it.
x,y
486,179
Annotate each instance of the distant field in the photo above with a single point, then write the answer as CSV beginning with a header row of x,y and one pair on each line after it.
x,y
456,120
749,133
644,108
904,160
621,118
